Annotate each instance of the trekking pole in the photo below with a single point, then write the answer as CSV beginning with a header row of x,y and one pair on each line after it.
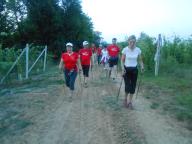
x,y
119,88
80,80
139,84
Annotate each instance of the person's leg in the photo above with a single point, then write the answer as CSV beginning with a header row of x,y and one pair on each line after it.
x,y
105,65
125,100
114,70
134,74
67,78
73,76
110,66
86,75
95,59
127,87
84,69
98,59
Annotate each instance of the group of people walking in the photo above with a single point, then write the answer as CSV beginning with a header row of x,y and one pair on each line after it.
x,y
73,63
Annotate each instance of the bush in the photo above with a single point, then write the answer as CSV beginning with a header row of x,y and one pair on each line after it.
x,y
9,55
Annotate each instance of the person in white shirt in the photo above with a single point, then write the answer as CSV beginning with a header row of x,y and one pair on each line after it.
x,y
105,57
129,61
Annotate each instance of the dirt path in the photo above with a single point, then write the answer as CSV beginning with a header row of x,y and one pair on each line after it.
x,y
92,116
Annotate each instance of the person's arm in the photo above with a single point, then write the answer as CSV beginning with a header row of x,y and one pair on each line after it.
x,y
79,64
61,64
92,59
141,63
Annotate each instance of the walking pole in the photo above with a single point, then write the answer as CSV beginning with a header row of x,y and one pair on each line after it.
x,y
80,80
119,88
139,84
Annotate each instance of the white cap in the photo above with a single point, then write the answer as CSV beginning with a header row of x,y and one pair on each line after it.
x,y
69,44
85,43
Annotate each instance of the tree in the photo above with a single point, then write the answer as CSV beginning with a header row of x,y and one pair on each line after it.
x,y
46,22
3,27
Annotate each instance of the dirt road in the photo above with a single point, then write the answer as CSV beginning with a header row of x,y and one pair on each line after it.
x,y
42,112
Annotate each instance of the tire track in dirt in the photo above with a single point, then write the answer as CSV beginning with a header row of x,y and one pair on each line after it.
x,y
93,116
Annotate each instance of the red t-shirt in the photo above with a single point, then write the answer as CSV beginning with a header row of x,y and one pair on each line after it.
x,y
113,50
70,60
85,56
99,51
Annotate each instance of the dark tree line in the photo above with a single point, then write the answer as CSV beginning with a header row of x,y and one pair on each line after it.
x,y
44,22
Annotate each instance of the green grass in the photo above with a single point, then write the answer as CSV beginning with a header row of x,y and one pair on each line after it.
x,y
171,93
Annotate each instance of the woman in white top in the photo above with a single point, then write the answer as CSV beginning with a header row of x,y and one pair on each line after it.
x,y
105,57
129,60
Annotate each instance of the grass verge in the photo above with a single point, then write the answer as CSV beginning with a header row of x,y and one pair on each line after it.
x,y
171,93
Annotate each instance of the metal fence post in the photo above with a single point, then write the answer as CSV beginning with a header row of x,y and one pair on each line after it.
x,y
27,62
158,55
45,58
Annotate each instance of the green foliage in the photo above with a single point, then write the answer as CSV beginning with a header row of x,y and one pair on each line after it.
x,y
45,22
147,46
4,66
174,53
1,53
8,57
179,49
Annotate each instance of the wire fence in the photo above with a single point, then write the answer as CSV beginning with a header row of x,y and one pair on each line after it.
x,y
19,64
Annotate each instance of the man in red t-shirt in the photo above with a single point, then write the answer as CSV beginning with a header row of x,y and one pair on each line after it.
x,y
70,63
86,60
113,51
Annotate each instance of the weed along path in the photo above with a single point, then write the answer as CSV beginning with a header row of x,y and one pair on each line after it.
x,y
42,112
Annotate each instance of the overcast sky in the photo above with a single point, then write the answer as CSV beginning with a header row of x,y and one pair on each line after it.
x,y
118,18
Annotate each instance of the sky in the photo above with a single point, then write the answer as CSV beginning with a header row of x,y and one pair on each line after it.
x,y
121,18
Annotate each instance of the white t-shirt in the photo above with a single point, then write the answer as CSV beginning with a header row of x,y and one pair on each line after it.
x,y
131,56
104,53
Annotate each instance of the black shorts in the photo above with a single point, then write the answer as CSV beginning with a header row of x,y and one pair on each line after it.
x,y
113,61
86,70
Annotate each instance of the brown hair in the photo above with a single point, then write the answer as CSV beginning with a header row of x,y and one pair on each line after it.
x,y
132,37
